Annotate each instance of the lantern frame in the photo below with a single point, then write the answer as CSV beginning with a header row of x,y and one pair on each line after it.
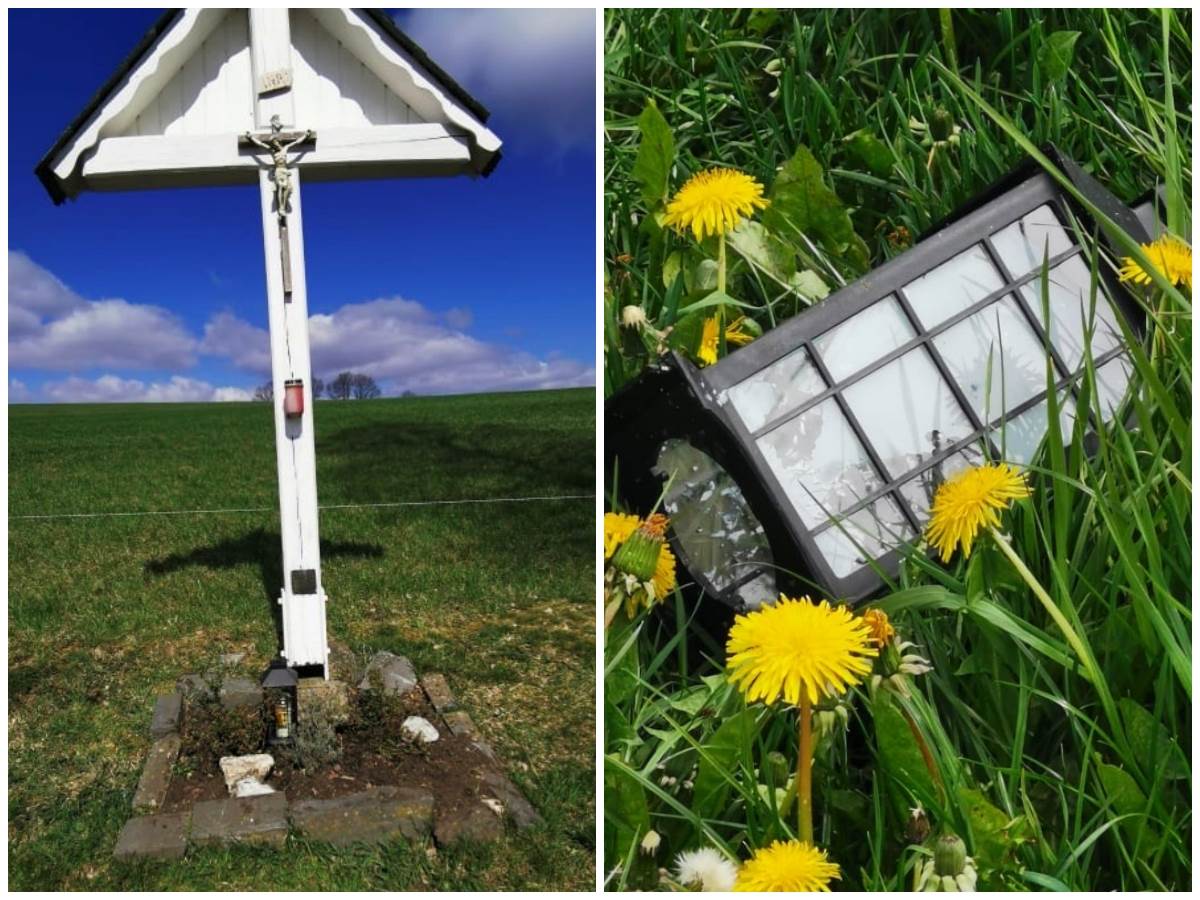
x,y
674,399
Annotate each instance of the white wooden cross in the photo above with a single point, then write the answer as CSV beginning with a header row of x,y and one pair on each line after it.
x,y
349,96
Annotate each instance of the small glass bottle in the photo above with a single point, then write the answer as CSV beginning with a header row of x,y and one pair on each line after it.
x,y
283,719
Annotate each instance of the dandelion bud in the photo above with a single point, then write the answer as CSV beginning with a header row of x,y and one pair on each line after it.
x,y
650,842
949,855
633,317
916,829
941,124
638,556
776,769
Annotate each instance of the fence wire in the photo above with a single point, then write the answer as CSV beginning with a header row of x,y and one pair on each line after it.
x,y
331,506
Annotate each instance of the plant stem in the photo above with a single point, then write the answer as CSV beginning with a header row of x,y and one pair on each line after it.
x,y
948,42
804,772
721,262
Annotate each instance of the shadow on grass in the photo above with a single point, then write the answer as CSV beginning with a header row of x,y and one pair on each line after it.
x,y
261,547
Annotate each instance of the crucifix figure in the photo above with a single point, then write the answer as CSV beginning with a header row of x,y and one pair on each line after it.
x,y
278,143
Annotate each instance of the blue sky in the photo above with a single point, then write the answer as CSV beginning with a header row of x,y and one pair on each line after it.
x,y
432,285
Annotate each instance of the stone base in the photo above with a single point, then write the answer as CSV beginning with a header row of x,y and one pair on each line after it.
x,y
373,816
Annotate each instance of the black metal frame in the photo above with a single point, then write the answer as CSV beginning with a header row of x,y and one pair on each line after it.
x,y
677,400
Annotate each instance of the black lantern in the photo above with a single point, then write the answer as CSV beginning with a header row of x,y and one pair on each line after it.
x,y
280,684
808,459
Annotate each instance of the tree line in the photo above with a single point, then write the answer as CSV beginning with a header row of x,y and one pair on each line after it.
x,y
346,386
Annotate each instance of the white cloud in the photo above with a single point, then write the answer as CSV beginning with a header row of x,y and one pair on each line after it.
x,y
459,317
112,389
404,346
52,327
246,346
18,391
535,65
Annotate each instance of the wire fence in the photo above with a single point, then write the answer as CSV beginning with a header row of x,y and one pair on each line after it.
x,y
260,509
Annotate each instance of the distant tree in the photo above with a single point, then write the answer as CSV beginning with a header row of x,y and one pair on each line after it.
x,y
364,387
265,392
342,387
318,387
409,394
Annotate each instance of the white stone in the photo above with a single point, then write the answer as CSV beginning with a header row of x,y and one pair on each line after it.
x,y
494,805
252,787
237,768
420,729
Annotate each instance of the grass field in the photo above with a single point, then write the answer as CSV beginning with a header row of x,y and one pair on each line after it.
x,y
105,613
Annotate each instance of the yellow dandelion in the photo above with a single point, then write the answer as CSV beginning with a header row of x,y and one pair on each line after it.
x,y
714,202
881,629
617,529
798,647
707,354
787,866
970,501
1171,256
664,572
736,333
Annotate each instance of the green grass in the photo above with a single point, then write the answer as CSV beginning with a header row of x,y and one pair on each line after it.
x,y
105,613
1058,720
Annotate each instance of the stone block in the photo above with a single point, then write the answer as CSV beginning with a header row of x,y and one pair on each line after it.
x,y
159,837
156,775
369,817
168,713
235,768
249,820
395,673
328,701
497,785
438,691
460,724
192,685
473,821
239,693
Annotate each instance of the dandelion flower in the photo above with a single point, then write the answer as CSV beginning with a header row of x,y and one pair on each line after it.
x,y
706,869
664,573
798,647
738,332
633,317
714,202
707,353
617,529
1171,256
970,501
787,866
881,629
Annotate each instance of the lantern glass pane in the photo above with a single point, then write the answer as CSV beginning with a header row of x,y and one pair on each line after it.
x,y
710,518
820,463
1022,245
864,338
1070,305
1112,380
759,591
1020,436
1001,335
955,284
875,529
919,491
780,387
907,412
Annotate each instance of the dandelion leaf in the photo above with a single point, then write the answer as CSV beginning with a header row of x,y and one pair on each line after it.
x,y
656,153
994,835
1151,742
719,758
763,250
626,816
900,756
801,203
1057,53
869,153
